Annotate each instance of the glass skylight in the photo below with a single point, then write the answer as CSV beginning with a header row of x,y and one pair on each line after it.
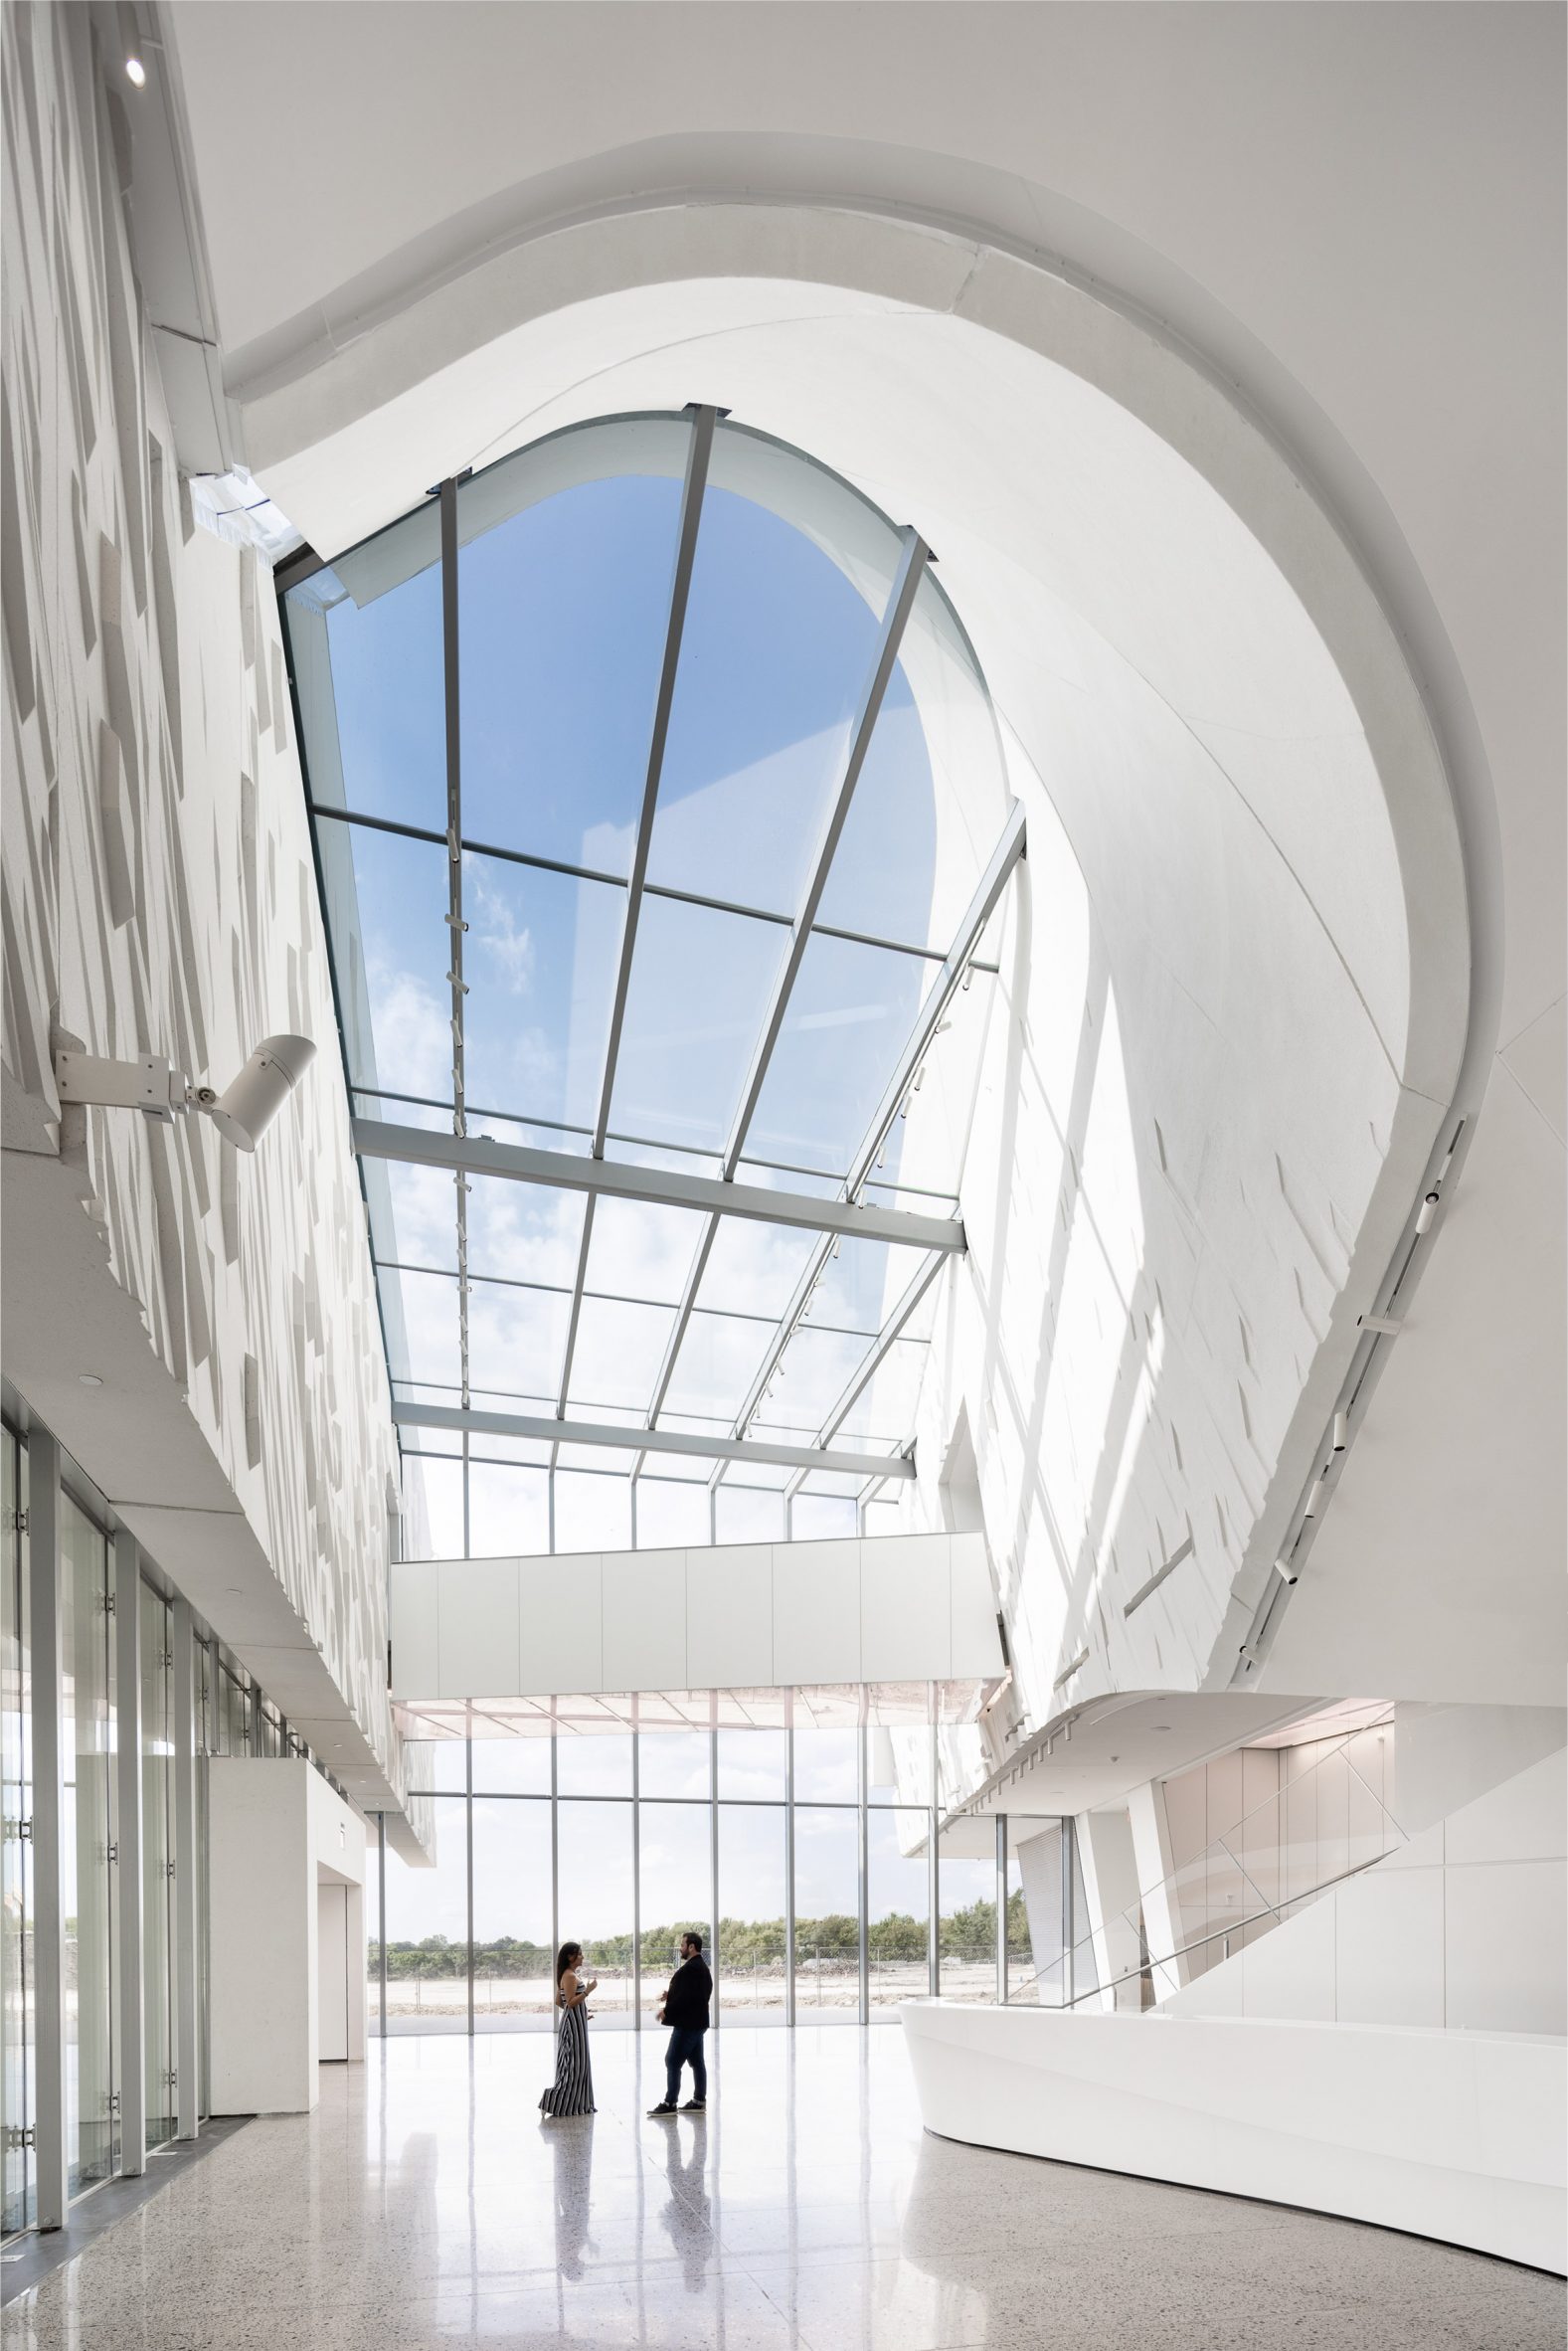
x,y
736,978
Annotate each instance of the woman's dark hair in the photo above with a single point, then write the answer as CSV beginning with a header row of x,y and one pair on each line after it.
x,y
568,1953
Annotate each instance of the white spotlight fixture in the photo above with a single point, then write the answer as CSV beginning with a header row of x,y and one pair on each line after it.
x,y
241,1113
1342,1432
1284,1568
135,73
1317,1496
1425,1213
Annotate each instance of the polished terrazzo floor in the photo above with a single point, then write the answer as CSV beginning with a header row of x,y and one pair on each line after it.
x,y
423,2205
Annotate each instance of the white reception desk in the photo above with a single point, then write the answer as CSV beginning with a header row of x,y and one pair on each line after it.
x,y
1452,2136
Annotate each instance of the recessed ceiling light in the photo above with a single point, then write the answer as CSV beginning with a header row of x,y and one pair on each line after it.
x,y
88,1379
135,73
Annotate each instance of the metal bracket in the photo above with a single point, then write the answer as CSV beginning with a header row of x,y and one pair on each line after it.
x,y
149,1083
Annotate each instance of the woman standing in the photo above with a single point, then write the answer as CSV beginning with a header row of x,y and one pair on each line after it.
x,y
572,2092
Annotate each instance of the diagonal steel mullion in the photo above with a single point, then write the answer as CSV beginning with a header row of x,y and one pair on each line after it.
x,y
911,571
698,456
1010,848
876,1354
998,871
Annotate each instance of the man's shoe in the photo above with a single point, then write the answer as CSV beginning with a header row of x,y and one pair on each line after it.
x,y
663,2108
695,2106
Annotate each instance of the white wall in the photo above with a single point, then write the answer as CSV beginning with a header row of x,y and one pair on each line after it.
x,y
1458,2136
1462,1930
276,1829
158,895
883,1609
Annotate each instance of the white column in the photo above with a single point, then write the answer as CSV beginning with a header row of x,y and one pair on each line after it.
x,y
1152,1860
131,2067
1104,1852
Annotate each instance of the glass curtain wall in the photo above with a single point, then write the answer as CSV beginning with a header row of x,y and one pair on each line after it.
x,y
17,2011
86,1743
792,1840
157,1854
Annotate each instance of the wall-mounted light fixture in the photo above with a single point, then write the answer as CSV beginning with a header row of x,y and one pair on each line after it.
x,y
241,1113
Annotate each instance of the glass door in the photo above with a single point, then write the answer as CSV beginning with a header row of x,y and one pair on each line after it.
x,y
87,1721
17,2043
158,1848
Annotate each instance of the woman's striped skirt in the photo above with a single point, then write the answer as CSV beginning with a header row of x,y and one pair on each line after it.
x,y
572,2092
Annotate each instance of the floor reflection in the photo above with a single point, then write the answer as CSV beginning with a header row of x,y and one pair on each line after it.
x,y
686,2171
421,2207
572,2146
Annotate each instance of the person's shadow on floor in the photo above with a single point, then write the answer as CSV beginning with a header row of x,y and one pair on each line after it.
x,y
688,2216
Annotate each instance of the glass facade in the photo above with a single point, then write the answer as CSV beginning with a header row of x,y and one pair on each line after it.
x,y
86,1842
106,1690
535,899
791,1847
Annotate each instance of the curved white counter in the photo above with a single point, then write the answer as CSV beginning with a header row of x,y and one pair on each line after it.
x,y
1454,2135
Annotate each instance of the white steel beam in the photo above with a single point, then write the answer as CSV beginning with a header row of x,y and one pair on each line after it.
x,y
477,1155
648,1441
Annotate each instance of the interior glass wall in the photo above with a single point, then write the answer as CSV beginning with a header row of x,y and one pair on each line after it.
x,y
17,2011
623,1841
87,1740
157,1855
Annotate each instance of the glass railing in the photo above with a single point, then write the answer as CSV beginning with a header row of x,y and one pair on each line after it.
x,y
1328,1824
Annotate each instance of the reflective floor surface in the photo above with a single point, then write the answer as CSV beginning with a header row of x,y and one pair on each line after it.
x,y
423,2204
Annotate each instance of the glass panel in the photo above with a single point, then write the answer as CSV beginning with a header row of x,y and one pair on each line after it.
x,y
522,1232
932,797
898,1905
431,1331
826,1769
540,959
753,1764
87,1739
365,640
822,1518
386,905
671,1513
593,1513
440,1765
432,1508
513,1956
828,1915
596,1905
508,1512
427,1930
374,2021
742,1515
700,987
516,1347
966,1890
18,2049
674,1764
751,1908
565,585
619,1350
597,1765
676,1869
753,1268
779,647
852,1009
642,1251
511,1766
157,1851
718,1358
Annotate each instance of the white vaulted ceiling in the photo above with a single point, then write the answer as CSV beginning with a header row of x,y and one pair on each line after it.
x,y
1353,219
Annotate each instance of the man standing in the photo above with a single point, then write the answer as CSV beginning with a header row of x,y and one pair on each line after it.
x,y
684,2009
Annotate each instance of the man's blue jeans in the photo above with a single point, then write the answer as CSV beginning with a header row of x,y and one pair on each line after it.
x,y
685,2049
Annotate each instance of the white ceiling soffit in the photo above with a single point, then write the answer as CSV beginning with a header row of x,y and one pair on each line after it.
x,y
1094,1756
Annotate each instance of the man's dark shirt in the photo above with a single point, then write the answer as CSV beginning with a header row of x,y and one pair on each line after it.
x,y
686,2001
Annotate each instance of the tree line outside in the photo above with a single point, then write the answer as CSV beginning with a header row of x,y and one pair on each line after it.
x,y
969,1934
